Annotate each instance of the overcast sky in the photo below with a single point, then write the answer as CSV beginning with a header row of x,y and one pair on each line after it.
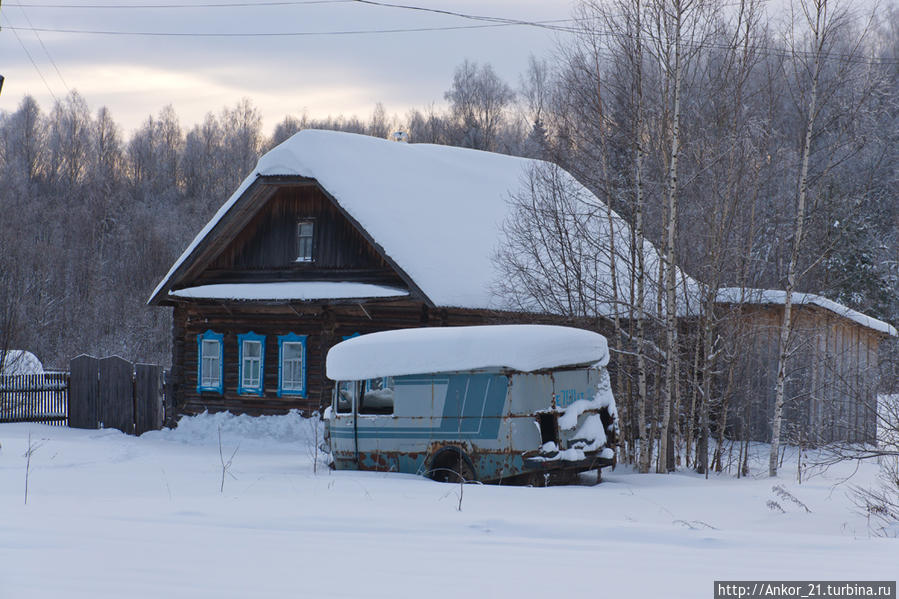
x,y
136,76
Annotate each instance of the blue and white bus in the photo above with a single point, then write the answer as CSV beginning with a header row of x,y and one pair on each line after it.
x,y
507,403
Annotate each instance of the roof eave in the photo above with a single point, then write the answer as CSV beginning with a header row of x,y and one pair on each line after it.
x,y
188,259
888,334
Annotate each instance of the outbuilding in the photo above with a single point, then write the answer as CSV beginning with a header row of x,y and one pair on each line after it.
x,y
832,372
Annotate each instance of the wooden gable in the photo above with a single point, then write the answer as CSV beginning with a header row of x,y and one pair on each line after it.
x,y
268,246
258,241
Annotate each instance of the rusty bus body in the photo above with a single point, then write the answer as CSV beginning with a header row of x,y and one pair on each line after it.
x,y
490,424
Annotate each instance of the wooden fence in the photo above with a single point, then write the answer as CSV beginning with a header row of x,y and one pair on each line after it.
x,y
39,398
114,393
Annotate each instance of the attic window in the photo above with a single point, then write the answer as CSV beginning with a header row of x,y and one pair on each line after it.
x,y
305,231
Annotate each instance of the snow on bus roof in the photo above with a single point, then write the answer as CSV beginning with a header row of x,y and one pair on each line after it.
x,y
437,211
736,295
521,347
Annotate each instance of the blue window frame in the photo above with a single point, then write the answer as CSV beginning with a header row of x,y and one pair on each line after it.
x,y
251,361
210,361
292,365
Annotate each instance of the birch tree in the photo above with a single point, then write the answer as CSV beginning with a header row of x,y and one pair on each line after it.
x,y
820,19
729,154
23,145
626,82
69,139
478,101
534,94
679,27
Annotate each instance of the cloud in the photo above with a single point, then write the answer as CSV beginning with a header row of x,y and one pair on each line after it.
x,y
326,75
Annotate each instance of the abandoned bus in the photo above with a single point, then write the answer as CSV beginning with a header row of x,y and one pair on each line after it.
x,y
505,403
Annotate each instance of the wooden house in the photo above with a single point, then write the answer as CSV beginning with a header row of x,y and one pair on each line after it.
x,y
334,235
832,372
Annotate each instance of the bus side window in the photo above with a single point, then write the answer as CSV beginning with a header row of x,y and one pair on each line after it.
x,y
377,397
345,392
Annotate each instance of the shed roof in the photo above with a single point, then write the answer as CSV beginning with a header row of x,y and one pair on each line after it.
x,y
737,295
436,211
522,347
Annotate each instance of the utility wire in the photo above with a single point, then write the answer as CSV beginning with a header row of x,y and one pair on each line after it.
x,y
491,21
198,5
34,64
269,34
46,51
265,3
552,24
767,51
440,11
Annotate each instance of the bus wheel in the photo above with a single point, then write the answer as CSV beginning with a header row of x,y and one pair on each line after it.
x,y
451,465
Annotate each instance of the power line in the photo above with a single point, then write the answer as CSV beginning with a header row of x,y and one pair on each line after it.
x,y
46,51
491,21
551,24
452,13
34,64
198,5
266,3
546,24
269,34
767,51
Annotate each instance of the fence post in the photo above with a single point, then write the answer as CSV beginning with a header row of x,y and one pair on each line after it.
x,y
84,392
148,398
117,394
168,400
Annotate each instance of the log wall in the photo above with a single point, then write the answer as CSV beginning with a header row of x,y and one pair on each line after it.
x,y
325,325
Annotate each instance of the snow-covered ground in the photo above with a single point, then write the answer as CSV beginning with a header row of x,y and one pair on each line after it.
x,y
110,516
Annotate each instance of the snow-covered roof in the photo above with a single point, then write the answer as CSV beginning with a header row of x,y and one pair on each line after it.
x,y
524,348
291,290
437,211
20,361
736,295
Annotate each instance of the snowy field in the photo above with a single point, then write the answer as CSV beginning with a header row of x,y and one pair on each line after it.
x,y
115,516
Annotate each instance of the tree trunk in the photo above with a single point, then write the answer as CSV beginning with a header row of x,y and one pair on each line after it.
x,y
670,268
820,16
640,270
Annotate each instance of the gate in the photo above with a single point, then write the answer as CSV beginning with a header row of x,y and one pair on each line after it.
x,y
114,393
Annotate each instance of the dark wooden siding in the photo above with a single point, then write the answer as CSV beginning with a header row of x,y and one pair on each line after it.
x,y
325,326
267,248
